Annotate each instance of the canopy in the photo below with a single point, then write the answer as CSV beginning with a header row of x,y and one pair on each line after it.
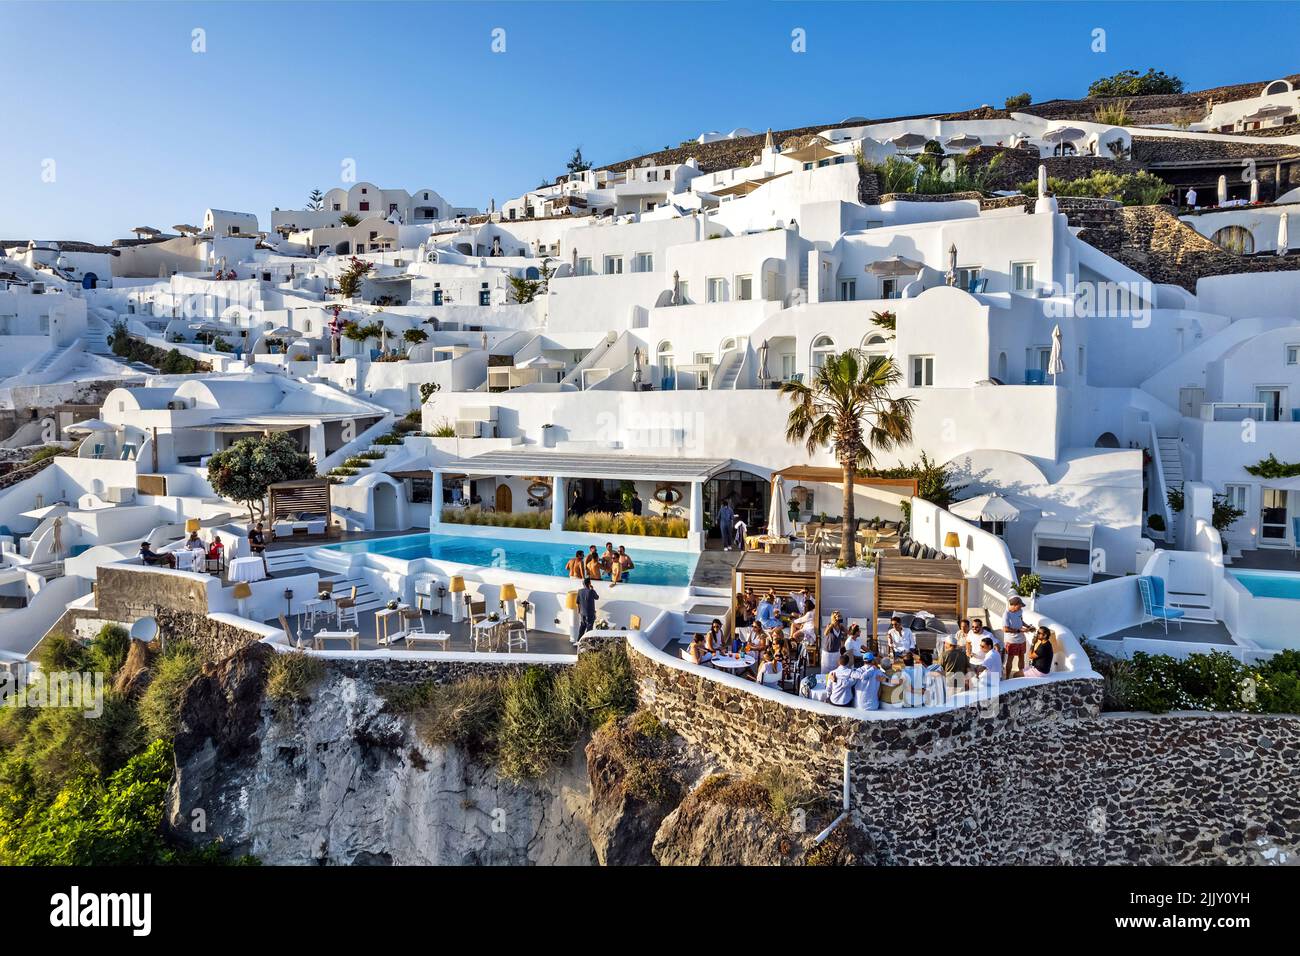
x,y
907,141
1268,112
1063,134
895,266
962,141
1282,484
91,425
991,507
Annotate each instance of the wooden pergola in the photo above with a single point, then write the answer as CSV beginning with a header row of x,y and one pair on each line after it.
x,y
783,573
905,487
288,499
919,584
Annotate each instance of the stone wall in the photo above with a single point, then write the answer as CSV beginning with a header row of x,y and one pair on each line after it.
x,y
412,670
215,639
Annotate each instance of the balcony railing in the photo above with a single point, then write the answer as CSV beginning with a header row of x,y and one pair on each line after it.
x,y
1232,411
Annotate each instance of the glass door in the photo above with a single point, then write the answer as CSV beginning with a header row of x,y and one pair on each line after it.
x,y
1273,517
1274,401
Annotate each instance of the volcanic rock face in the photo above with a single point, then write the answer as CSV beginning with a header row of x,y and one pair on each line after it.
x,y
338,780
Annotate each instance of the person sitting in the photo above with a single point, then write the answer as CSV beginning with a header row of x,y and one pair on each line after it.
x,y
218,549
1040,657
744,617
195,543
715,638
769,672
700,653
575,567
954,661
758,642
977,634
988,668
803,601
767,611
869,677
854,645
841,682
914,681
901,639
151,557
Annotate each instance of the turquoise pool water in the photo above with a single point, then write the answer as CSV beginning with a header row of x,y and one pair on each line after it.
x,y
1270,584
666,568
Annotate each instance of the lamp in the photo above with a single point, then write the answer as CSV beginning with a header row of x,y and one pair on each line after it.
x,y
243,591
508,597
191,525
457,607
952,540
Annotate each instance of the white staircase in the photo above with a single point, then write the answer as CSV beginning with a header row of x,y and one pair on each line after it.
x,y
728,370
48,359
1171,468
700,614
367,599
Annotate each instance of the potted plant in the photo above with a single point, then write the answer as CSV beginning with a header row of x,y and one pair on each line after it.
x,y
792,509
392,605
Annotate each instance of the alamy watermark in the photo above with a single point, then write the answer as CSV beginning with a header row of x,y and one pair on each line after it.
x,y
62,690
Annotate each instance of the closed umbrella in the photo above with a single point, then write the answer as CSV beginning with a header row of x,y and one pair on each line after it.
x,y
636,368
777,519
1223,190
57,534
951,278
1254,190
762,364
1283,240
990,507
1055,365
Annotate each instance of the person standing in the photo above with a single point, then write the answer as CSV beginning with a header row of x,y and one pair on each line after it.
x,y
1013,630
636,503
726,519
586,608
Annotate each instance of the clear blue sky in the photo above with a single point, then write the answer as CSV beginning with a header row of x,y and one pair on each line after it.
x,y
145,132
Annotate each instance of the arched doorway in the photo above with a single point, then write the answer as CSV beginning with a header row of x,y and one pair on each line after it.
x,y
750,496
1107,440
505,499
384,506
89,280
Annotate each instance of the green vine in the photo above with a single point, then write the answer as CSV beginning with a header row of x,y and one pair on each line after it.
x,y
1270,467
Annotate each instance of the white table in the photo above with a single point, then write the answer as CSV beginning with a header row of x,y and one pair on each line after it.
x,y
247,569
188,559
383,621
729,663
485,630
317,605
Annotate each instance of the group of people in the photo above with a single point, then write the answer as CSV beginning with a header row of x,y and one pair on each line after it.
x,y
779,633
593,565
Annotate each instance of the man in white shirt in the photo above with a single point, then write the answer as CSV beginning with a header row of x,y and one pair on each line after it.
x,y
988,669
901,639
869,676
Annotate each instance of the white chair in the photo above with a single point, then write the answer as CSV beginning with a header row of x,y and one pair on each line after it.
x,y
516,636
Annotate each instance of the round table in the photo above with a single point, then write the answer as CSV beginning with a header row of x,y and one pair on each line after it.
x,y
247,569
729,663
188,559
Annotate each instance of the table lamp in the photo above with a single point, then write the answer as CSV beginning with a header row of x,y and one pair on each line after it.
x,y
191,525
457,588
952,540
243,591
508,597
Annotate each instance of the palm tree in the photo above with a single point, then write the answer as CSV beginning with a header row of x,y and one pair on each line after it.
x,y
849,408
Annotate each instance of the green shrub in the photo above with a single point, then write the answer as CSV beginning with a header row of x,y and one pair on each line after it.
x,y
291,677
356,461
389,439
539,723
1017,102
465,713
160,704
1028,584
603,684
109,648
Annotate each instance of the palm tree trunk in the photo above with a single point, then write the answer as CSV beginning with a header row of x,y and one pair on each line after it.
x,y
849,524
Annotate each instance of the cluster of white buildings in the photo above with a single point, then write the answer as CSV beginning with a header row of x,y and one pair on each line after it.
x,y
641,315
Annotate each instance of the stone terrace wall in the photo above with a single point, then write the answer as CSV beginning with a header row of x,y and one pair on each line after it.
x,y
215,639
1116,789
412,670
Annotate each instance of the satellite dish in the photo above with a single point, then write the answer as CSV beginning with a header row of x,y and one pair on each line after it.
x,y
145,629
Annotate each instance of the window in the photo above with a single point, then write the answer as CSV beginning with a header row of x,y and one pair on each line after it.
x,y
1022,277
337,207
667,366
922,371
716,289
744,288
889,289
643,262
365,206
787,367
1293,355
684,293
822,348
967,276
848,290
584,266
437,295
1274,401
1235,239
484,295
1237,496
613,265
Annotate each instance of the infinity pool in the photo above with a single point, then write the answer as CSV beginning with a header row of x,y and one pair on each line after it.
x,y
1270,584
666,568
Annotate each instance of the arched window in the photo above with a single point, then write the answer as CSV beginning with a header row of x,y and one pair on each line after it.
x,y
823,347
1002,366
1277,86
667,366
1235,239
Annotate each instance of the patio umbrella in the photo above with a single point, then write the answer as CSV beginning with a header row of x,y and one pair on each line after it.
x,y
1283,240
962,141
57,534
636,368
91,425
990,507
908,141
677,288
1254,190
1063,134
951,277
894,266
1268,112
777,518
1223,190
762,363
1054,363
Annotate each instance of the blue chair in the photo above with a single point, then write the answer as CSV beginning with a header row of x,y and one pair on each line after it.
x,y
1035,376
1152,590
977,286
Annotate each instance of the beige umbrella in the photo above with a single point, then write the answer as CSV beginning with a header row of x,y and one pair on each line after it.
x,y
776,513
1254,190
57,534
951,278
1055,363
894,266
906,142
962,141
1283,239
1223,190
1063,134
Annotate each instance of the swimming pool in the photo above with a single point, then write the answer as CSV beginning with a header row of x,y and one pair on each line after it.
x,y
665,568
1270,584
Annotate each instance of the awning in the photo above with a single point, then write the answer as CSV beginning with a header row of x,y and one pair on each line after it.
x,y
833,476
579,465
1282,484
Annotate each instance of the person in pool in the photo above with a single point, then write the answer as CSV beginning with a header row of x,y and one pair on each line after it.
x,y
595,569
576,568
625,563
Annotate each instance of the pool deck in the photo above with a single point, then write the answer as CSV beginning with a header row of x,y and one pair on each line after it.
x,y
1265,559
1192,632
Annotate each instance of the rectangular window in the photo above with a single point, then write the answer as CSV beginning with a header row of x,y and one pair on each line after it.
x,y
613,265
338,208
584,266
1293,355
848,290
890,289
1237,495
967,276
484,297
787,367
643,262
437,297
684,292
716,289
744,288
365,206
1022,277
1274,401
922,371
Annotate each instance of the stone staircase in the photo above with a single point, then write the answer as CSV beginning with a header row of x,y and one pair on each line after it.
x,y
1171,465
728,370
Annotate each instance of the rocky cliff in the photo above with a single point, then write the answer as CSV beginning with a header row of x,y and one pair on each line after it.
x,y
339,778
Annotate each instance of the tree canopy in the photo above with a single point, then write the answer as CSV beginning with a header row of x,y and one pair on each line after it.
x,y
244,470
1132,83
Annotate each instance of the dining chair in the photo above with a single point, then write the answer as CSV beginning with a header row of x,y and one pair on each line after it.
x,y
347,608
516,635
